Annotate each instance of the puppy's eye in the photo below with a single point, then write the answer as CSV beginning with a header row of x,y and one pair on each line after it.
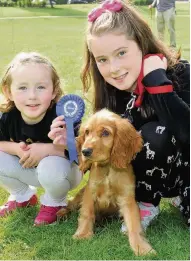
x,y
105,133
87,132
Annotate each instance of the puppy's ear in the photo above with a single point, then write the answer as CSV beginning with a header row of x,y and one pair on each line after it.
x,y
84,164
79,142
127,143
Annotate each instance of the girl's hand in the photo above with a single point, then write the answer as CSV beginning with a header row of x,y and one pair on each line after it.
x,y
153,63
21,148
32,157
58,131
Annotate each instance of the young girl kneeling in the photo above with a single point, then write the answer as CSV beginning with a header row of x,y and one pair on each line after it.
x,y
135,75
28,159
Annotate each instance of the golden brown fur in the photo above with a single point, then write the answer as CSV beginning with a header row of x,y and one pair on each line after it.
x,y
112,143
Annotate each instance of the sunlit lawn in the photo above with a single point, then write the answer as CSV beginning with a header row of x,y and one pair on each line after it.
x,y
61,39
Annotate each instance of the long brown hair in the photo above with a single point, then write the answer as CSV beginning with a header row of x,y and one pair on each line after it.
x,y
25,58
129,22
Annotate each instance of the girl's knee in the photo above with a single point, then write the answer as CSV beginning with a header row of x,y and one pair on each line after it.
x,y
5,156
7,162
53,170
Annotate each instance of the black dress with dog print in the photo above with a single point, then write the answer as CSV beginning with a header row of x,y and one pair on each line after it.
x,y
162,167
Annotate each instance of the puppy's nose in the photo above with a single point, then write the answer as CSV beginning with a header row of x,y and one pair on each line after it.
x,y
87,152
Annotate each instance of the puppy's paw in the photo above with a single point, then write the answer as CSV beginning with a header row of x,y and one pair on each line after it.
x,y
144,250
62,213
141,247
80,235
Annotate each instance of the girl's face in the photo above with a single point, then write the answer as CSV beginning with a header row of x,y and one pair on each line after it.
x,y
118,59
32,91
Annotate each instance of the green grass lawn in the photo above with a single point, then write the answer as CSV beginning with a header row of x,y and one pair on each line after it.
x,y
61,39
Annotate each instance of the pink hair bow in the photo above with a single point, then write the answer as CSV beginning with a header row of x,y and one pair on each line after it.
x,y
110,5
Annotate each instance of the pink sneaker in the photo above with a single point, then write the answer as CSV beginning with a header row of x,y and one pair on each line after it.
x,y
11,206
47,215
148,213
176,201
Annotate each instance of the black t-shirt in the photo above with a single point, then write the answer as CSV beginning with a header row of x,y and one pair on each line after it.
x,y
13,127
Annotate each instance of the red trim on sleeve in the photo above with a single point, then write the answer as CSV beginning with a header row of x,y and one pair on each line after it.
x,y
159,89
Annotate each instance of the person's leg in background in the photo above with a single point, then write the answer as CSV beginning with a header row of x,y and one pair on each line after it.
x,y
169,17
160,25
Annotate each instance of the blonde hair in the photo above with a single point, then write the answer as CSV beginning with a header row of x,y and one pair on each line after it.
x,y
22,59
126,21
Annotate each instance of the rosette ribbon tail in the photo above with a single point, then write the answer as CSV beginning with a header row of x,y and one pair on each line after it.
x,y
72,107
73,155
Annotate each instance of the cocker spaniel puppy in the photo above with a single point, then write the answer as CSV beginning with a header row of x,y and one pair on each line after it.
x,y
107,144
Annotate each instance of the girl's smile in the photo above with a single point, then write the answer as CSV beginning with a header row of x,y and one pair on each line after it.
x,y
121,78
33,107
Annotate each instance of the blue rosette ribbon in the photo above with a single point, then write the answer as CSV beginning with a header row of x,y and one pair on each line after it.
x,y
72,107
